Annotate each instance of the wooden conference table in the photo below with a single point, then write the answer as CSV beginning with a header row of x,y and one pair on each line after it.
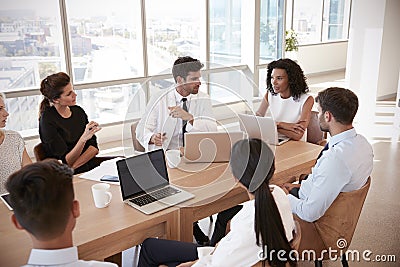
x,y
102,233
216,190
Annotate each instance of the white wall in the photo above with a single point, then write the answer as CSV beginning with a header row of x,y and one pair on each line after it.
x,y
320,58
390,53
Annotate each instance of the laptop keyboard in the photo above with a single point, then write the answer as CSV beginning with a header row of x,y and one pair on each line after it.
x,y
154,196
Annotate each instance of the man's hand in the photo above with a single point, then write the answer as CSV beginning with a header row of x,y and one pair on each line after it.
x,y
187,264
157,139
178,112
288,186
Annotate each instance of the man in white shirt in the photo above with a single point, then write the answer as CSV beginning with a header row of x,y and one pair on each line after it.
x,y
42,197
344,165
177,110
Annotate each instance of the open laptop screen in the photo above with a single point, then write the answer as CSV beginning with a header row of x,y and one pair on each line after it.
x,y
142,173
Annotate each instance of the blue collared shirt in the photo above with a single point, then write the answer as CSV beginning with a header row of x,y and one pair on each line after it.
x,y
344,167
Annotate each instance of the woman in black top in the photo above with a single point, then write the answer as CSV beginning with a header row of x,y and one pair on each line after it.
x,y
64,128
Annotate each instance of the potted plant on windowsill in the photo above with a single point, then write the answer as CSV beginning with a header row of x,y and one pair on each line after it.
x,y
291,45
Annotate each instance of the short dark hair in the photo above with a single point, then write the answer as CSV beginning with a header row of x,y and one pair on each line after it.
x,y
341,102
297,79
41,195
184,65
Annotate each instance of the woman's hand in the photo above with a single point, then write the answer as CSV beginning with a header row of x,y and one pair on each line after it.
x,y
90,129
187,264
293,127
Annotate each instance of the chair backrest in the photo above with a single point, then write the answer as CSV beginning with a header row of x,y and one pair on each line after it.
x,y
136,145
314,133
340,220
295,243
335,229
39,152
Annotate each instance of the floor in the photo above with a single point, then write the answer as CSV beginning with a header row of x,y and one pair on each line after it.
x,y
378,229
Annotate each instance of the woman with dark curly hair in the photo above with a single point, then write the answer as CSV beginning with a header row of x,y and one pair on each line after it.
x,y
287,98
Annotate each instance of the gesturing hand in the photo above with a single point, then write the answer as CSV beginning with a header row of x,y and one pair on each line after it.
x,y
178,112
90,129
158,139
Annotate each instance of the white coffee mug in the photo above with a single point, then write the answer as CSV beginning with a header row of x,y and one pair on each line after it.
x,y
101,195
173,157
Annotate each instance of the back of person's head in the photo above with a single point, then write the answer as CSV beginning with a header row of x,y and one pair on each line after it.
x,y
297,79
51,88
253,164
341,102
184,65
41,195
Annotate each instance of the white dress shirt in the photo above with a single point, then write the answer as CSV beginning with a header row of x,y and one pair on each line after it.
x,y
67,257
156,118
344,167
238,248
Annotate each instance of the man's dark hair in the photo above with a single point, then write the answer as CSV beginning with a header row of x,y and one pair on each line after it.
x,y
342,103
184,65
41,195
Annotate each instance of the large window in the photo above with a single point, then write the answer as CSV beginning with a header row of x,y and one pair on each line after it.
x,y
225,31
119,53
31,45
173,29
320,20
271,29
105,39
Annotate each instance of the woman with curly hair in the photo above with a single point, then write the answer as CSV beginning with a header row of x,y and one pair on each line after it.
x,y
287,98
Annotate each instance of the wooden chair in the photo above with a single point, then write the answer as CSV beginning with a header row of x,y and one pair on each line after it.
x,y
314,133
136,144
295,243
39,152
335,229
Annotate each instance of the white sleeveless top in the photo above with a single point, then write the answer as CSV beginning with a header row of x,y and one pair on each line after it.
x,y
286,110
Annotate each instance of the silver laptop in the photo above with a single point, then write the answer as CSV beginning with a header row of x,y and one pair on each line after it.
x,y
263,128
210,146
145,184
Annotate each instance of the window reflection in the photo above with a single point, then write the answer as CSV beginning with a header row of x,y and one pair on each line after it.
x,y
106,40
30,43
173,30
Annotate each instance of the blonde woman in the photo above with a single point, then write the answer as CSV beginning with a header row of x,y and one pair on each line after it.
x,y
13,154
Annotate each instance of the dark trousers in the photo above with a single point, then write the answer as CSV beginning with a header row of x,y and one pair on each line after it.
x,y
220,225
155,252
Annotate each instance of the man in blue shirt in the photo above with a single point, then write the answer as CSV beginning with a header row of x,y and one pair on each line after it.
x,y
344,166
